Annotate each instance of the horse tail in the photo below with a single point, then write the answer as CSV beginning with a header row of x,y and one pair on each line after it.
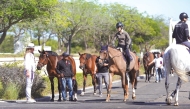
x,y
177,62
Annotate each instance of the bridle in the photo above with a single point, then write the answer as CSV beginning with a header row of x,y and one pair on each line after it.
x,y
84,63
46,58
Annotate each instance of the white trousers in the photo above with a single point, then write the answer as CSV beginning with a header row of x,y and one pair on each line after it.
x,y
29,83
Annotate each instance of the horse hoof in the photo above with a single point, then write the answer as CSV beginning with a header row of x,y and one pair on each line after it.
x,y
75,99
169,100
82,94
52,100
134,97
59,100
176,104
107,100
125,100
94,93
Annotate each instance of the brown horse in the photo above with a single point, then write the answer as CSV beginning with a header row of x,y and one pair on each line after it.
x,y
88,65
50,59
147,58
117,66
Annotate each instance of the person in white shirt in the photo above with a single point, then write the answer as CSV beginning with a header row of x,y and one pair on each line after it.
x,y
158,66
29,69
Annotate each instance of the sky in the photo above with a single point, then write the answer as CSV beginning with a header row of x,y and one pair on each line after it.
x,y
167,8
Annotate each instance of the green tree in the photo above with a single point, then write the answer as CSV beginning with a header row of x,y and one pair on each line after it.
x,y
14,11
8,45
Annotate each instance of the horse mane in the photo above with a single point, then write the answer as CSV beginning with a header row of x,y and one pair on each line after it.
x,y
88,55
52,53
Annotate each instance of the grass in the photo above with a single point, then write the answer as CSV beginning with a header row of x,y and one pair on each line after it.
x,y
10,92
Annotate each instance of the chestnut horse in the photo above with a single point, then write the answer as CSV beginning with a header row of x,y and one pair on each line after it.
x,y
88,65
50,59
147,58
117,66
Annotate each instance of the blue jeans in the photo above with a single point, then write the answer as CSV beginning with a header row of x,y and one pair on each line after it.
x,y
105,76
67,81
158,74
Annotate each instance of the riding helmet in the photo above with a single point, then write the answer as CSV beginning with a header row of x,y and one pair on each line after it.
x,y
119,24
183,15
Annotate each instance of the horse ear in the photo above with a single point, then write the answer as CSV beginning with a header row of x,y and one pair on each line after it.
x,y
39,51
43,51
79,53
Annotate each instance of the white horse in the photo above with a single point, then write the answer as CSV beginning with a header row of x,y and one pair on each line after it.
x,y
178,58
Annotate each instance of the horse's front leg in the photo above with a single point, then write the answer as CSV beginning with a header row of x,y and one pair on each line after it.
x,y
125,85
133,80
109,87
84,83
94,82
59,88
52,88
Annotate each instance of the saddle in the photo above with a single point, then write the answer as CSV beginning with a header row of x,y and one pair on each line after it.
x,y
188,49
124,54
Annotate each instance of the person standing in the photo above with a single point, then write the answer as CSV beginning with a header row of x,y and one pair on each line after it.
x,y
103,66
158,66
29,69
64,68
124,42
181,31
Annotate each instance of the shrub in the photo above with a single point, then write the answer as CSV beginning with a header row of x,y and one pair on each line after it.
x,y
13,78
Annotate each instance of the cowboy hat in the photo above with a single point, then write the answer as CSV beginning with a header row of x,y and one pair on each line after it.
x,y
30,45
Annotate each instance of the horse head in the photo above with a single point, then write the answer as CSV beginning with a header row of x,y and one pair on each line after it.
x,y
43,59
83,58
104,52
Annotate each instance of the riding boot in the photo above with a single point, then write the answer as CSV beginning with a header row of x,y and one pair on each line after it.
x,y
128,64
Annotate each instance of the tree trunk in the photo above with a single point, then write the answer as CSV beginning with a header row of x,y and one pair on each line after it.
x,y
3,36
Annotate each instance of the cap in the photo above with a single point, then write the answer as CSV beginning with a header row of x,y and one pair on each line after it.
x,y
65,54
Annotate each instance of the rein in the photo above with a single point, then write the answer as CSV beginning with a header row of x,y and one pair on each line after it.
x,y
117,55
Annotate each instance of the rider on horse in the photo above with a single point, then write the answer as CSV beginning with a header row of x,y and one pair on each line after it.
x,y
181,31
124,41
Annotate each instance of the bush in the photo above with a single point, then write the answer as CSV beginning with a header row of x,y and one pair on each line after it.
x,y
13,79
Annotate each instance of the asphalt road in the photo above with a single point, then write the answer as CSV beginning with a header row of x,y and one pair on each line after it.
x,y
148,96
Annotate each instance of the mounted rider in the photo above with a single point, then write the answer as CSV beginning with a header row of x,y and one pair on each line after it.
x,y
124,41
181,31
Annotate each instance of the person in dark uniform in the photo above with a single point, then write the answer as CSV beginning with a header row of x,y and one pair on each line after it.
x,y
64,68
124,41
181,31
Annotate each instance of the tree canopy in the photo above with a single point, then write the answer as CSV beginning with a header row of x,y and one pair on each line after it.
x,y
80,24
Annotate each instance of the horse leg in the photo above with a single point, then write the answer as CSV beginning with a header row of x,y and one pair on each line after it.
x,y
94,82
125,85
84,83
178,86
146,76
133,80
149,75
168,98
59,88
109,87
75,89
52,88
